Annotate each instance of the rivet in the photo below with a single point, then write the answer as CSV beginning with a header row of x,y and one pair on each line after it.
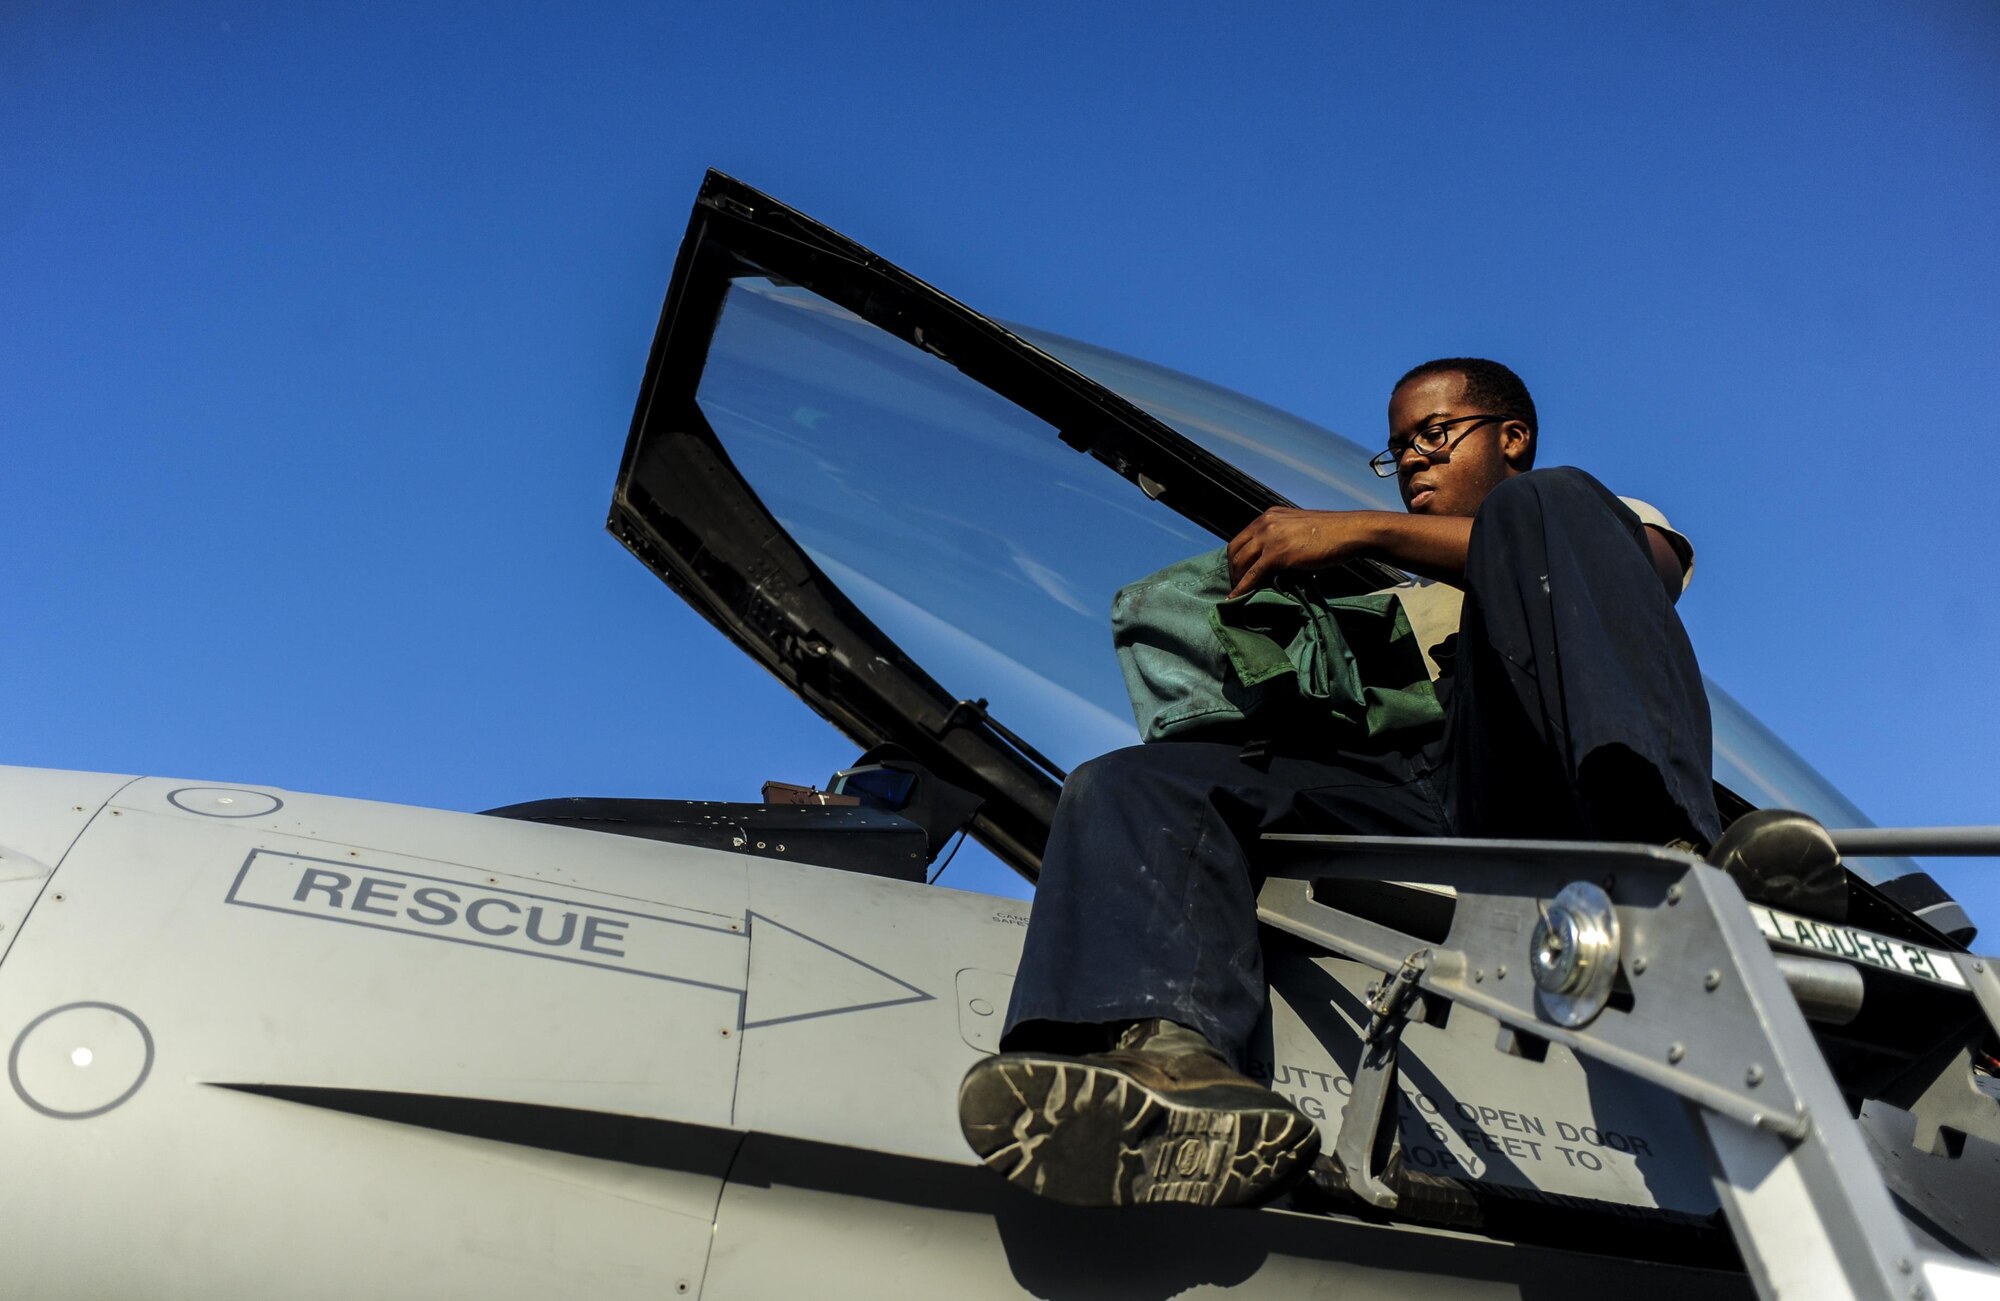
x,y
1638,966
760,844
1905,1264
1979,966
1478,975
1675,1052
1673,894
1500,973
1711,981
1754,1076
57,897
725,1034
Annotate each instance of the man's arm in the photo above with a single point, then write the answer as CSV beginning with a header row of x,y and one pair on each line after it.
x,y
1286,538
1666,563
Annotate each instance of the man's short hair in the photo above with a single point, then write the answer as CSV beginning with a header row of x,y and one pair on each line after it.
x,y
1488,385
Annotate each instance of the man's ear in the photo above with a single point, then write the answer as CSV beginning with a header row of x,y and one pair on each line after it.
x,y
1517,444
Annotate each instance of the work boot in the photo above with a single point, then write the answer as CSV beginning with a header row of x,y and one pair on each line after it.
x,y
1162,1117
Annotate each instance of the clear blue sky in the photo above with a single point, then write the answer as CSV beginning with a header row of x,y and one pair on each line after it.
x,y
320,329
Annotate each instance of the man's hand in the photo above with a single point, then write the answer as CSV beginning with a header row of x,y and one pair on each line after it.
x,y
1286,538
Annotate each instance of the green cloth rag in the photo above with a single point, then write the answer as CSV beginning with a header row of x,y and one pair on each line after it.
x,y
1284,662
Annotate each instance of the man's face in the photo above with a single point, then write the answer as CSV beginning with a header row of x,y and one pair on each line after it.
x,y
1477,457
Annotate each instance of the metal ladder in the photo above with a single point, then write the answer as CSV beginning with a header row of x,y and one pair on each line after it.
x,y
1537,932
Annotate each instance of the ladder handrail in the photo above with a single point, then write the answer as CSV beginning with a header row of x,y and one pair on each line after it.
x,y
1810,1209
1927,842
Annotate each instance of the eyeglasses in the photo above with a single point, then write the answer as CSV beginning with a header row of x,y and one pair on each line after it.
x,y
1427,442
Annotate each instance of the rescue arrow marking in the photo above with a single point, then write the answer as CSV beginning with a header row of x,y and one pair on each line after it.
x,y
580,932
815,980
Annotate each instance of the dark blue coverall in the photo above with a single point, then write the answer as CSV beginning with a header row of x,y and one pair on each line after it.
x,y
1573,710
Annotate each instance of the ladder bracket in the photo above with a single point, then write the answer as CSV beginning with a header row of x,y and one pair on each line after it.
x,y
1368,1126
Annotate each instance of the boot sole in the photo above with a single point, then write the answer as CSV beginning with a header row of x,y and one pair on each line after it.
x,y
1088,1134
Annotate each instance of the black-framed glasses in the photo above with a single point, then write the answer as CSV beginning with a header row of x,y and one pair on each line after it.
x,y
1428,441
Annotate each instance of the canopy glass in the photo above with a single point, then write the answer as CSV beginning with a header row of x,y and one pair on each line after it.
x,y
989,550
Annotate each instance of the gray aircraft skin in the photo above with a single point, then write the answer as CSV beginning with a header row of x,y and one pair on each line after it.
x,y
264,1043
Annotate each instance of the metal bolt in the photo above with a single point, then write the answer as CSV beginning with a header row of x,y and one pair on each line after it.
x,y
1500,972
1905,1264
725,1034
1673,894
1754,1076
1477,975
1711,980
1979,966
57,897
1675,1052
1638,966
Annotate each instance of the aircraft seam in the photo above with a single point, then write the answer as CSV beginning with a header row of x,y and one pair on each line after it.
x,y
63,857
721,1189
742,1013
735,1091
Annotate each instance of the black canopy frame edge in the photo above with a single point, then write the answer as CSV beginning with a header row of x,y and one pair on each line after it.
x,y
698,524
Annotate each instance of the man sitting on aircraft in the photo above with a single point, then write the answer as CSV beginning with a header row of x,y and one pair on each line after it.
x,y
1572,709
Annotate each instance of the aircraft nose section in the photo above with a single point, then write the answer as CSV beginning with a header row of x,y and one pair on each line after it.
x,y
42,812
